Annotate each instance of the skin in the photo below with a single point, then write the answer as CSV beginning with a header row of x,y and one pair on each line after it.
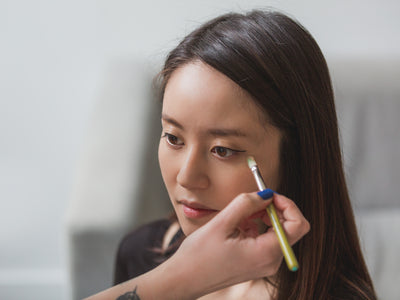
x,y
210,127
216,178
235,257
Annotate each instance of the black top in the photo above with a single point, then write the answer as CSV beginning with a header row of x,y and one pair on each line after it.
x,y
140,250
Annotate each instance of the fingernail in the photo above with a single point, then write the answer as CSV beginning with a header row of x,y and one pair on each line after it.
x,y
266,194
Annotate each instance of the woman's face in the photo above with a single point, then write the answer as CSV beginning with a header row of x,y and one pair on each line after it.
x,y
210,127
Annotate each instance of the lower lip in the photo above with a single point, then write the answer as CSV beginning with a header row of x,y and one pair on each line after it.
x,y
196,213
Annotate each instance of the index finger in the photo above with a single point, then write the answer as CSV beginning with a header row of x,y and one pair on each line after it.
x,y
294,222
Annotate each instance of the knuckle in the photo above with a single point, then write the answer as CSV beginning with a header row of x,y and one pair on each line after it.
x,y
242,199
308,226
290,203
274,267
305,225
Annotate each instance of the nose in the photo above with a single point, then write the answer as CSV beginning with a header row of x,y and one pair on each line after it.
x,y
193,172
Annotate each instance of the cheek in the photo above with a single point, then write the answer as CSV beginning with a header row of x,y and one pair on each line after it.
x,y
244,182
230,182
167,165
270,169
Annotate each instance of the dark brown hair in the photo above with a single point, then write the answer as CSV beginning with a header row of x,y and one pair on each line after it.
x,y
280,65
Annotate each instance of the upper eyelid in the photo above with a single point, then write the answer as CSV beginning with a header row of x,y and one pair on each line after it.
x,y
232,154
171,130
217,132
166,134
234,150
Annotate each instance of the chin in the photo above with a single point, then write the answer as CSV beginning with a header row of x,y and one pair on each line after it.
x,y
188,227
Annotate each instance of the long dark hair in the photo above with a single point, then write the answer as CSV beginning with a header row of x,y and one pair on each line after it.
x,y
280,65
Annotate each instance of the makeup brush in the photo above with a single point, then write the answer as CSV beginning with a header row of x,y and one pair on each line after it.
x,y
288,253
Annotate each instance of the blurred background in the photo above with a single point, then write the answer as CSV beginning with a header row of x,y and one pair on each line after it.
x,y
76,115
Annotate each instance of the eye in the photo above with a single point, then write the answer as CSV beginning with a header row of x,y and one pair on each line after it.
x,y
223,151
172,139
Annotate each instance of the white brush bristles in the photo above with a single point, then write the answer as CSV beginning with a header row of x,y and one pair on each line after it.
x,y
251,162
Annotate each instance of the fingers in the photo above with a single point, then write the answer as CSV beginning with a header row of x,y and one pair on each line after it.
x,y
242,207
287,207
248,205
266,194
239,236
294,223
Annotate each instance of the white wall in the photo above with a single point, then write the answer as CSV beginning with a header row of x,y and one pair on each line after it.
x,y
53,57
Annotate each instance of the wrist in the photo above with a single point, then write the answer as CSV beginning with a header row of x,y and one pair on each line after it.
x,y
174,279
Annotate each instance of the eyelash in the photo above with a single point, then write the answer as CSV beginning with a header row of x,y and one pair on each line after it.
x,y
234,152
169,136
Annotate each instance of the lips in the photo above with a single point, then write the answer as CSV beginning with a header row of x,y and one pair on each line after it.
x,y
195,210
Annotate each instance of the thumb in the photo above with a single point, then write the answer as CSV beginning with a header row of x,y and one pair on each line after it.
x,y
239,209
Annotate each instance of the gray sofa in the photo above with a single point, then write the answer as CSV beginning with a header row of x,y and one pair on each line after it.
x,y
368,105
118,184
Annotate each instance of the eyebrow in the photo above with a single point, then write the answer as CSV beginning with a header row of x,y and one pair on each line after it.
x,y
220,132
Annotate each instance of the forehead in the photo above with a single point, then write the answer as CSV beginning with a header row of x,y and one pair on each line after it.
x,y
198,93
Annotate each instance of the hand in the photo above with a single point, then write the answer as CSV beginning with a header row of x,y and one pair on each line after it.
x,y
223,252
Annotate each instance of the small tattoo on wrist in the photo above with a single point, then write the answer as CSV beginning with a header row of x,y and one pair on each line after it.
x,y
129,295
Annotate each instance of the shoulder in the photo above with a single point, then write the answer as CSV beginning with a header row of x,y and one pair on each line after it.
x,y
139,251
144,237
